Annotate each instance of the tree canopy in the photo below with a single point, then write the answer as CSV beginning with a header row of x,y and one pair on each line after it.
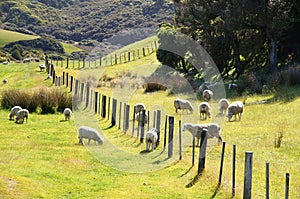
x,y
241,36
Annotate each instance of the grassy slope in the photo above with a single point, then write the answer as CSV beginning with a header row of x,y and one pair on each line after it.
x,y
39,157
10,36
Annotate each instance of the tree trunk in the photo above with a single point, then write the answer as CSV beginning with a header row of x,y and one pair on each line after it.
x,y
273,55
237,55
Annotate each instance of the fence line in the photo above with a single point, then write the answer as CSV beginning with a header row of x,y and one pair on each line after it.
x,y
100,105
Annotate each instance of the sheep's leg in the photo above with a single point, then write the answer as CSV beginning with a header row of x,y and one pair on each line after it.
x,y
152,146
80,140
147,148
89,141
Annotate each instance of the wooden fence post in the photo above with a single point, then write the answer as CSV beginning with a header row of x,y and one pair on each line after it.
x,y
148,121
193,152
154,119
96,102
171,132
287,185
233,169
87,96
67,79
114,112
81,92
63,78
157,126
127,111
133,121
67,62
202,151
165,133
71,84
248,175
53,77
179,134
267,181
103,112
143,125
108,108
221,163
120,114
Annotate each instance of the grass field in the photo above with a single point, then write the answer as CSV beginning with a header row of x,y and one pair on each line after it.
x,y
7,36
41,159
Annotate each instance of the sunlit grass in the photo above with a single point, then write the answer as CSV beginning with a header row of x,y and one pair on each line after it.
x,y
7,36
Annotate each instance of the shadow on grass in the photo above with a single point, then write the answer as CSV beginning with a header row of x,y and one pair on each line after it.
x,y
63,120
194,180
186,171
217,189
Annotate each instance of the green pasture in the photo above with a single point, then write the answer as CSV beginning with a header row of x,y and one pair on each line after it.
x,y
7,36
42,159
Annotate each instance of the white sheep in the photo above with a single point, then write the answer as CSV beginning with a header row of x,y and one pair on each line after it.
x,y
213,130
139,107
223,105
90,134
138,117
13,112
21,114
235,108
152,138
67,113
4,81
204,110
42,67
183,105
207,95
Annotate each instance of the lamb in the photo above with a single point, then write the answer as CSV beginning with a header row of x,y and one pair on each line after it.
x,y
67,113
152,138
21,114
213,130
207,95
139,107
138,117
183,104
4,81
223,105
204,110
90,134
235,108
13,112
42,67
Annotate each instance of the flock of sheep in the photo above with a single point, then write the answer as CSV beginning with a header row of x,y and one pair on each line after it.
x,y
213,129
83,132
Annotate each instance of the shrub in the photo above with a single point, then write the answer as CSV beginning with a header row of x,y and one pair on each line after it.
x,y
287,77
48,100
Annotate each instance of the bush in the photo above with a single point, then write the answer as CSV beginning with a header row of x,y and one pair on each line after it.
x,y
287,77
48,100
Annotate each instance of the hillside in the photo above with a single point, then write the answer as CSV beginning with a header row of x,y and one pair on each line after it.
x,y
86,19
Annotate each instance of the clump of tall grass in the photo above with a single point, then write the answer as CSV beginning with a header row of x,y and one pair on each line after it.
x,y
47,100
278,139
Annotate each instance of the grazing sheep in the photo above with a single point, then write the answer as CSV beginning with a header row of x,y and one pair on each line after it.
x,y
207,95
152,138
204,110
183,104
90,134
13,112
42,67
21,114
67,113
213,130
4,81
235,108
223,105
139,107
138,117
